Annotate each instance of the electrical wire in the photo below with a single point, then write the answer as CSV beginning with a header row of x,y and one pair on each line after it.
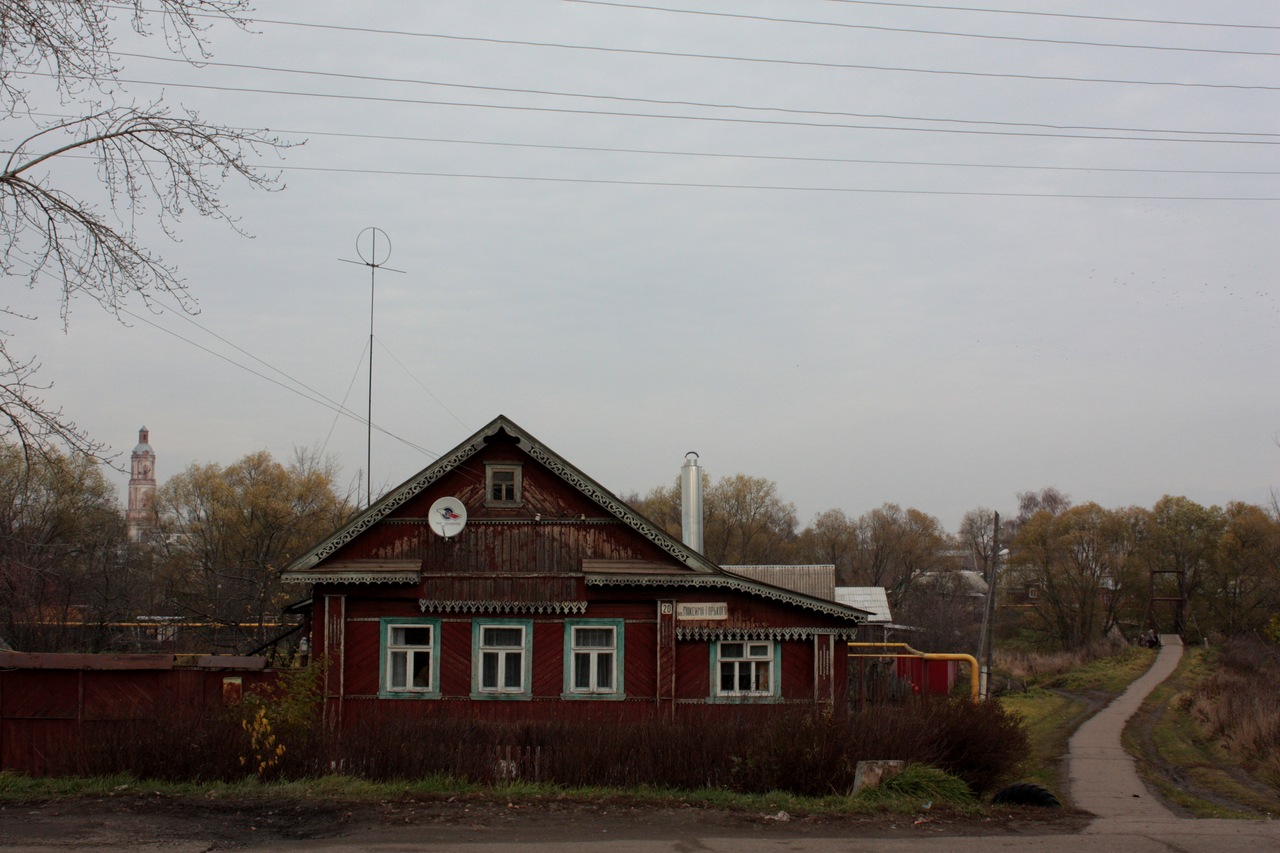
x,y
918,31
1069,15
750,59
776,187
675,117
701,104
314,396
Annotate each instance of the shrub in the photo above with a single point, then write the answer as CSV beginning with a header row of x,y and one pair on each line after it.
x,y
917,782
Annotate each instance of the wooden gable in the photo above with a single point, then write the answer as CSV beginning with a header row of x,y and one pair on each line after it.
x,y
562,524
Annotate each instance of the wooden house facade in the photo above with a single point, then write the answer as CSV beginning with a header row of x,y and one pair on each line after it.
x,y
503,582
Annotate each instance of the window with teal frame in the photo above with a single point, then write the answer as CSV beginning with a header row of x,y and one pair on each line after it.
x,y
409,657
502,659
593,658
744,670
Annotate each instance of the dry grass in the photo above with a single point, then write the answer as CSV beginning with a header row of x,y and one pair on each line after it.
x,y
1027,667
1239,706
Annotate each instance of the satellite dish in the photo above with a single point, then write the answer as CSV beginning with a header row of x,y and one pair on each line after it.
x,y
447,517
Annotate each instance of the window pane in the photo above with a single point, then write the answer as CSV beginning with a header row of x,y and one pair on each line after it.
x,y
731,650
593,638
762,677
727,676
759,650
582,672
489,671
398,669
514,670
504,637
416,636
604,672
422,669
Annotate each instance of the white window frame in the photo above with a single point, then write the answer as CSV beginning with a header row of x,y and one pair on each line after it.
x,y
574,650
517,484
390,651
758,657
501,654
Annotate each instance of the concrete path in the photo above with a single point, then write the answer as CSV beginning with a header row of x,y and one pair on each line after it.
x,y
1102,776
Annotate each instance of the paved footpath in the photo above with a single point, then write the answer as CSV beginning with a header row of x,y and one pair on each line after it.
x,y
1104,780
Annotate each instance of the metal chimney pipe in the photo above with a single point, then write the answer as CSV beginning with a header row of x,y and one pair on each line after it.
x,y
691,502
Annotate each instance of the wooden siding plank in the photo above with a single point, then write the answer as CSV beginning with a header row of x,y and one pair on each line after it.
x,y
362,674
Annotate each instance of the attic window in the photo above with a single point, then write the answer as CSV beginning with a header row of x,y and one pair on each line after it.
x,y
502,487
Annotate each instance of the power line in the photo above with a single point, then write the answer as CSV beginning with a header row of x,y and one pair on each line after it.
x,y
445,140
667,102
917,31
1055,15
777,188
674,117
318,397
770,157
750,59
771,187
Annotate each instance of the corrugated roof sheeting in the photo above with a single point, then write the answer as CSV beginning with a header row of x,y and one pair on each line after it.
x,y
870,598
816,581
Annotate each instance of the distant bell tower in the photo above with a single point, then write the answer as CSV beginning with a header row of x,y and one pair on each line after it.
x,y
141,516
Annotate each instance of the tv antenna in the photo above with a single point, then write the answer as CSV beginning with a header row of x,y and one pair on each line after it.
x,y
374,248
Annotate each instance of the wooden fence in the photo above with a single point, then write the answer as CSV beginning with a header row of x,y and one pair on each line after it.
x,y
51,703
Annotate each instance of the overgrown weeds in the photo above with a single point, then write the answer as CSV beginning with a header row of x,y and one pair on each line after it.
x,y
1238,706
1024,667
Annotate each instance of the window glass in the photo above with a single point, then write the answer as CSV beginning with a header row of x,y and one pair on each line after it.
x,y
594,650
745,669
503,484
504,636
409,651
501,659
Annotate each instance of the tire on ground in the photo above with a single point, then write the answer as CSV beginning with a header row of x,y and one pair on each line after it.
x,y
1026,794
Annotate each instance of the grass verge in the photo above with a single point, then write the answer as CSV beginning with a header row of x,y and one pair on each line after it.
x,y
916,788
1189,770
1056,704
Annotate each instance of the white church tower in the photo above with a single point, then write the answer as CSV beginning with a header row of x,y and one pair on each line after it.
x,y
141,516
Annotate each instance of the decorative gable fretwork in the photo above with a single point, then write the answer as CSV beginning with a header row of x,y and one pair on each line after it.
x,y
495,607
589,488
618,513
395,500
704,634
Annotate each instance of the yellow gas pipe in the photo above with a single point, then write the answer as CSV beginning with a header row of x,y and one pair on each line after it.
x,y
912,653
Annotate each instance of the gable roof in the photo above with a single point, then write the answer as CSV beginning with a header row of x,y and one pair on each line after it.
x,y
697,571
415,485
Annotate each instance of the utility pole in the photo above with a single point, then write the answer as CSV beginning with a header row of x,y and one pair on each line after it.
x,y
986,640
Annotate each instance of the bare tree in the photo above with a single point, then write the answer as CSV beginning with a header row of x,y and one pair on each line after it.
x,y
150,158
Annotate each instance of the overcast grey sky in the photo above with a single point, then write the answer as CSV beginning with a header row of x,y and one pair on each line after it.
x,y
871,251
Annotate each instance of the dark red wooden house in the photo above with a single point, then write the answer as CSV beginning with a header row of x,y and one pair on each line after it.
x,y
503,581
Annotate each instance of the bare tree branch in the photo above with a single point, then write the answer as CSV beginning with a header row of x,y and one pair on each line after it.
x,y
152,160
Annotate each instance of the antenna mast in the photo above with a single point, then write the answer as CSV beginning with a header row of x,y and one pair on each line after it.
x,y
374,248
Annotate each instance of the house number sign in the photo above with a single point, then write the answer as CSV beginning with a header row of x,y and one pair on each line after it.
x,y
704,611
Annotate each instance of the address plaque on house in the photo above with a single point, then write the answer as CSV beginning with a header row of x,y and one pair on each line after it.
x,y
703,611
